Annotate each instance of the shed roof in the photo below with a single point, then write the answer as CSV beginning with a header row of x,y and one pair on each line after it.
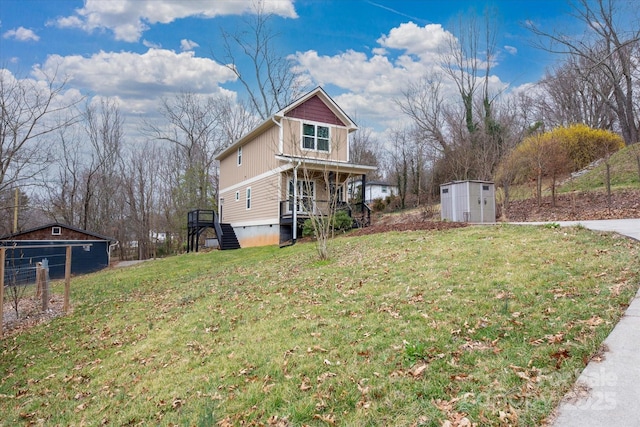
x,y
57,224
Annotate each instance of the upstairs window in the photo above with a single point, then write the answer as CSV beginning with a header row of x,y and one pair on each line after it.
x,y
239,156
315,137
56,231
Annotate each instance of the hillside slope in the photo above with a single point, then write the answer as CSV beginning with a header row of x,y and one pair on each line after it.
x,y
577,206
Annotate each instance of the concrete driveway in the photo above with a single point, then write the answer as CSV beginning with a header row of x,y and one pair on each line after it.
x,y
626,227
607,392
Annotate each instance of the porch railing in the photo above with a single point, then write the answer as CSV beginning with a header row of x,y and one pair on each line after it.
x,y
361,213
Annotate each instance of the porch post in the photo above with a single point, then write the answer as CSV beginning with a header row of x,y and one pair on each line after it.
x,y
294,214
364,193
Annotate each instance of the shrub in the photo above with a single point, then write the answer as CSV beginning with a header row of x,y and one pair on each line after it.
x,y
379,205
341,221
584,145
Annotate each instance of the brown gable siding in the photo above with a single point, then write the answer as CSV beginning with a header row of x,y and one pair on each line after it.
x,y
316,110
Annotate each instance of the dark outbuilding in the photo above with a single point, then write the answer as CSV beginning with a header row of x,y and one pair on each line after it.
x,y
90,251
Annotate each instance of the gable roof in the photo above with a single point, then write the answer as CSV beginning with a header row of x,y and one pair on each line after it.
x,y
315,102
358,181
57,224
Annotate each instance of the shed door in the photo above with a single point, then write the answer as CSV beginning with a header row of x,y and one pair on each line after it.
x,y
488,203
475,202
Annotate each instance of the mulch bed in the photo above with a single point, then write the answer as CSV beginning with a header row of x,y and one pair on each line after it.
x,y
407,226
577,206
30,313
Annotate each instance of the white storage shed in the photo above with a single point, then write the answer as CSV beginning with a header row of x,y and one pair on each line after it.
x,y
468,201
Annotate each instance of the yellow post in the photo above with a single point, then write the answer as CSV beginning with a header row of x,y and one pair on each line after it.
x,y
67,279
2,254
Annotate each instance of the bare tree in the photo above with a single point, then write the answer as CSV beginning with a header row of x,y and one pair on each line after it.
x,y
423,102
365,150
194,129
568,98
63,201
400,154
270,82
104,126
30,111
465,137
606,51
141,171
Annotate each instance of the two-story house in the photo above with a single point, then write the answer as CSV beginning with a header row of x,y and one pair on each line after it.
x,y
292,165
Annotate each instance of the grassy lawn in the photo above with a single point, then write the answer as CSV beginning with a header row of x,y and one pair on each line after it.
x,y
415,328
624,174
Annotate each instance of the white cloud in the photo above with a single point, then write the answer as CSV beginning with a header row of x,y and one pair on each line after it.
x,y
21,34
413,39
372,82
511,50
147,43
138,78
351,70
385,72
187,45
128,19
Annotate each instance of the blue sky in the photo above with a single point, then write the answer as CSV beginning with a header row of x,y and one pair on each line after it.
x,y
362,52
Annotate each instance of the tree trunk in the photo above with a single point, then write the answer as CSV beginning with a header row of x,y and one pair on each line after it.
x,y
539,188
608,182
553,191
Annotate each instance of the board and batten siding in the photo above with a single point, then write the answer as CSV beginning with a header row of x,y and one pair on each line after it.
x,y
316,110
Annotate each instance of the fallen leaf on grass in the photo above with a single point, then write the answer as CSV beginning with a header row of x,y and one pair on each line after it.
x,y
508,416
594,321
418,369
276,421
329,419
306,384
560,356
324,376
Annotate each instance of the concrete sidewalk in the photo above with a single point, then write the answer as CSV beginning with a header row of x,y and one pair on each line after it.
x,y
626,227
607,392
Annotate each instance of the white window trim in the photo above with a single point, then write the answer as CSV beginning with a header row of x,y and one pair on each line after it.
x,y
315,137
56,231
301,199
239,156
237,196
248,199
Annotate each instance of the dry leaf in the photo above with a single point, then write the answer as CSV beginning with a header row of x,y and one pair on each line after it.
x,y
418,369
306,384
329,419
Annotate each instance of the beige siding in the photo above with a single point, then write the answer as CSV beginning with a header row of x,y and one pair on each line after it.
x,y
292,135
257,158
264,202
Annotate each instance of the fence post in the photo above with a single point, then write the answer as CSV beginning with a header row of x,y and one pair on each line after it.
x,y
38,279
2,256
67,279
43,283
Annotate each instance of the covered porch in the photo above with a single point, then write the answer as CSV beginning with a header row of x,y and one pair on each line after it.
x,y
316,187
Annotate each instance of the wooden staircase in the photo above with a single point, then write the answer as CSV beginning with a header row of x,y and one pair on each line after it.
x,y
199,220
228,239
